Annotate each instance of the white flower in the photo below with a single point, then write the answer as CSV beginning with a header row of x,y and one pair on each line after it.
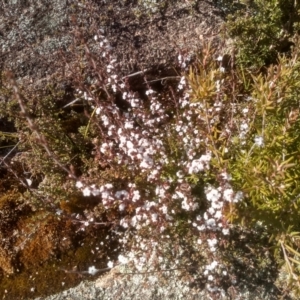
x,y
220,58
59,212
86,192
225,231
217,205
110,264
226,176
122,259
259,141
238,197
244,127
92,270
154,218
201,228
136,196
124,223
228,194
181,83
211,210
134,221
212,242
160,191
200,164
121,194
128,125
179,174
149,92
29,181
105,120
211,222
212,194
79,184
218,214
121,207
245,111
214,264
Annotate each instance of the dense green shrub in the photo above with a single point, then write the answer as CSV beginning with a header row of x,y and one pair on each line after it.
x,y
251,124
262,29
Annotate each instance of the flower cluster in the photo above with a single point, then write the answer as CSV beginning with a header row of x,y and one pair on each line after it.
x,y
160,157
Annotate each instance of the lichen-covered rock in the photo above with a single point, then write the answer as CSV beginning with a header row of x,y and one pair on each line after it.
x,y
32,33
40,38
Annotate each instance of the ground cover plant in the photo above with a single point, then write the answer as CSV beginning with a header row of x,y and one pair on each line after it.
x,y
195,174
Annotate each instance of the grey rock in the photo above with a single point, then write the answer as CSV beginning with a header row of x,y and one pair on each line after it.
x,y
38,38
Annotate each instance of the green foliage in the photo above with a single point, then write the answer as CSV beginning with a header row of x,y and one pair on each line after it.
x,y
59,130
269,171
251,125
262,29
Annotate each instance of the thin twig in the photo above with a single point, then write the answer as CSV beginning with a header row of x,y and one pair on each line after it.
x,y
134,74
2,160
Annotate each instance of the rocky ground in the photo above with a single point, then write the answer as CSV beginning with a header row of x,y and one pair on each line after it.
x,y
114,286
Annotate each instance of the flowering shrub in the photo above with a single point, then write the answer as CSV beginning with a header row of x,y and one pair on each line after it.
x,y
180,173
160,165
